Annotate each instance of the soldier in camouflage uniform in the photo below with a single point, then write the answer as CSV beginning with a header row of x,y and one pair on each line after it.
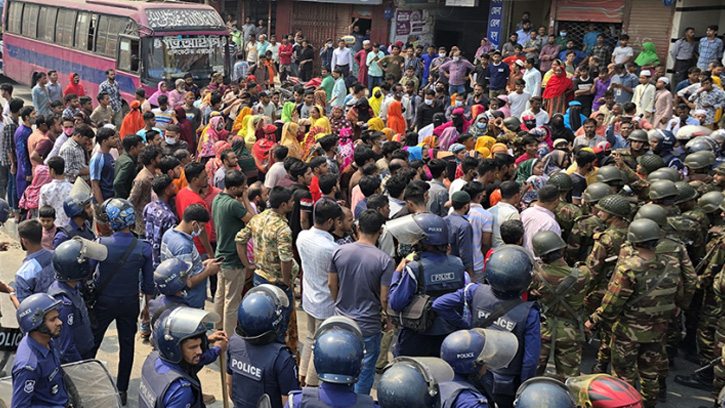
x,y
719,291
709,204
640,302
688,230
686,202
614,211
646,164
718,177
638,144
581,238
698,171
560,290
611,176
565,212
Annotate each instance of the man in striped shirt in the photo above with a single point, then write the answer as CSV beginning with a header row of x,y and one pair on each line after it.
x,y
163,114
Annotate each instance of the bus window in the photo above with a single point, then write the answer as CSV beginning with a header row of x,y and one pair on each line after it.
x,y
30,20
114,27
102,36
173,56
81,36
66,22
128,54
92,32
46,23
15,17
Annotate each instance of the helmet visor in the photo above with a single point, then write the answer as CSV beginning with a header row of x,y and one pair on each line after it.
x,y
185,321
274,291
433,369
81,190
499,349
92,250
340,322
405,230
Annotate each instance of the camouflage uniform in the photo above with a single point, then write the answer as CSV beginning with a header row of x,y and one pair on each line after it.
x,y
703,183
566,215
686,229
629,157
719,291
639,186
606,247
699,216
710,312
581,238
562,332
640,302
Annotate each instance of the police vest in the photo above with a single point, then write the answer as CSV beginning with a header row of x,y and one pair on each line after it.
x,y
253,372
439,278
154,385
311,399
78,320
72,231
450,390
514,321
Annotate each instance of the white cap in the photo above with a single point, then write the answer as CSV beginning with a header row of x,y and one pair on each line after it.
x,y
645,74
366,42
699,112
519,63
664,79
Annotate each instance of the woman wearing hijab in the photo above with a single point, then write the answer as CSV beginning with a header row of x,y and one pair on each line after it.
x,y
245,159
289,113
176,97
255,130
479,126
317,119
458,121
573,119
212,134
31,196
239,123
396,121
346,148
74,86
376,124
320,99
186,132
647,59
361,113
555,162
133,121
338,120
162,90
216,162
559,130
558,91
376,100
289,140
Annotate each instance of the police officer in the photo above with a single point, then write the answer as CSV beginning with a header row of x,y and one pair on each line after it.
x,y
614,211
662,143
413,382
257,361
168,376
117,280
560,291
72,267
339,351
580,241
565,212
77,207
432,273
498,305
37,376
171,280
470,353
641,301
542,392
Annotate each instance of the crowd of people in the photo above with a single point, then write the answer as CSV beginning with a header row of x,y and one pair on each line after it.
x,y
408,201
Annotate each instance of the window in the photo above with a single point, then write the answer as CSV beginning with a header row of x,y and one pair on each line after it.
x,y
124,55
15,16
30,20
102,35
114,27
92,32
64,26
81,36
46,23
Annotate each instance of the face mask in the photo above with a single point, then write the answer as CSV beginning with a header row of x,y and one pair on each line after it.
x,y
68,131
459,103
170,140
481,125
196,233
456,58
378,94
429,101
562,34
329,45
398,94
442,54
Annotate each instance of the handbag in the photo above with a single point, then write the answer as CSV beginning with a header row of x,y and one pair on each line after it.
x,y
90,291
418,315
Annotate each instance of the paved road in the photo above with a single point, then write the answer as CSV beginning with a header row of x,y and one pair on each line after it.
x,y
678,396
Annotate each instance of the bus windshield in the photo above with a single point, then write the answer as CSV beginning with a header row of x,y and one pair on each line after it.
x,y
172,57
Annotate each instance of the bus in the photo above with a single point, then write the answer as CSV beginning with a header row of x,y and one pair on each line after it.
x,y
145,42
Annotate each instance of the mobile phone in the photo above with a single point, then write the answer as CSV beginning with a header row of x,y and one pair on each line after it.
x,y
219,259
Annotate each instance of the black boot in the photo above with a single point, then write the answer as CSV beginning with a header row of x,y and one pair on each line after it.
x,y
123,396
662,397
600,368
701,380
671,355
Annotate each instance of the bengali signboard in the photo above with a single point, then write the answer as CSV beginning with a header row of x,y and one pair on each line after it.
x,y
495,14
178,18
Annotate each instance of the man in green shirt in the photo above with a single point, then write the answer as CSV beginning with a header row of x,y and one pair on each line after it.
x,y
231,211
391,64
126,166
327,82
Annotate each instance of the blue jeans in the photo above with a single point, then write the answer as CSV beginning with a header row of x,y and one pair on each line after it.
x,y
456,89
423,82
4,173
12,192
374,81
372,350
286,312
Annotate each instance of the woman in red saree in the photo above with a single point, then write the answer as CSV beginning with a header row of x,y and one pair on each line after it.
x,y
558,92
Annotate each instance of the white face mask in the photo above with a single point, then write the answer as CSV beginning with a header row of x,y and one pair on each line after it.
x,y
442,54
170,140
196,233
456,58
429,101
459,103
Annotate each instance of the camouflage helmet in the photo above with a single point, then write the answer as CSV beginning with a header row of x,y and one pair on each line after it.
x,y
650,162
662,189
710,202
595,192
643,230
609,174
638,135
685,192
512,123
652,212
546,242
661,174
720,169
700,160
615,204
562,181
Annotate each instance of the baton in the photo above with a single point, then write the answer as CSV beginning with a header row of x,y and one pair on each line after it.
x,y
710,364
223,364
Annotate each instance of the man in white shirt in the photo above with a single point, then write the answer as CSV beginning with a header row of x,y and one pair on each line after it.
x,y
315,247
504,210
683,118
644,96
542,117
623,54
540,216
341,59
518,99
532,77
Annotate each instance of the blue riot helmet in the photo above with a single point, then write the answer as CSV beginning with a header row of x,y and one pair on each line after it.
x,y
76,203
413,382
260,314
71,259
171,275
508,271
4,211
466,351
32,310
544,392
121,213
424,228
663,139
181,324
339,349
